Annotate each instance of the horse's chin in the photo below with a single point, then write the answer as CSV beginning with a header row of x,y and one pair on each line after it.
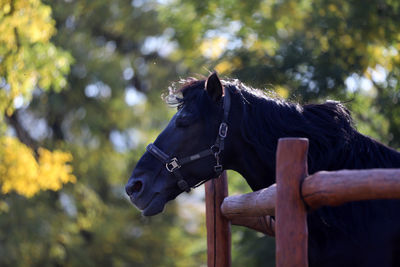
x,y
155,206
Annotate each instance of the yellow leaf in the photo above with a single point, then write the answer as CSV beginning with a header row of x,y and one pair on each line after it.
x,y
22,173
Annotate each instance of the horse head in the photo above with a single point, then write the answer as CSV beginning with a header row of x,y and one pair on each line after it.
x,y
190,150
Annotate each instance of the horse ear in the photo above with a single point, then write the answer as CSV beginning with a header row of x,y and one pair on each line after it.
x,y
214,87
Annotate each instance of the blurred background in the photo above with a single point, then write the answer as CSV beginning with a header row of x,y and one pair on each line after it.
x,y
80,87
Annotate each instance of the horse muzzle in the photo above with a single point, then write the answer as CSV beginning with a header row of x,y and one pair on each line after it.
x,y
150,202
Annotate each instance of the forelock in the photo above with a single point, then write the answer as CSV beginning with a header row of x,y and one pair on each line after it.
x,y
177,90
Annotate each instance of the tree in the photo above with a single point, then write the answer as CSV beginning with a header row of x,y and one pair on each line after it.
x,y
28,60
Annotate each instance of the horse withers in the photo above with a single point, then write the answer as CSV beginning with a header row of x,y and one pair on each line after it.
x,y
223,125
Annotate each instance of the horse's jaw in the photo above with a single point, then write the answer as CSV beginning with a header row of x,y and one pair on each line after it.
x,y
153,206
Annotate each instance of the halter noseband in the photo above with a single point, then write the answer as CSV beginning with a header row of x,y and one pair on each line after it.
x,y
173,164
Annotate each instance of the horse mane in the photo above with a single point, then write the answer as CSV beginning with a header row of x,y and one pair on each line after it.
x,y
335,143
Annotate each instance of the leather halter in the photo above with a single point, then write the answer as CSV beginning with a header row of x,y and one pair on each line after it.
x,y
173,164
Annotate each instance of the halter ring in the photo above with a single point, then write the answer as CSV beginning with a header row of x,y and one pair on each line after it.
x,y
215,149
172,165
223,130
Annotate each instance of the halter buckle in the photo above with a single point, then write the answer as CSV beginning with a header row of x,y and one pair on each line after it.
x,y
172,165
223,130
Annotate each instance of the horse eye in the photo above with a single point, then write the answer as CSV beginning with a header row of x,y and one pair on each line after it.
x,y
184,120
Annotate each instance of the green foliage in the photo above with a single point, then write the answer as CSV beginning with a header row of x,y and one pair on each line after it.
x,y
309,48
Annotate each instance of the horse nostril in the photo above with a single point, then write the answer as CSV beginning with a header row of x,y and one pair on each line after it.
x,y
133,187
137,186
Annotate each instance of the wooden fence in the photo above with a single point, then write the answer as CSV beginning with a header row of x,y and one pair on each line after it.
x,y
287,201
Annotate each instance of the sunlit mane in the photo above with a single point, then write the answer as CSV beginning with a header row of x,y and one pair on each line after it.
x,y
174,97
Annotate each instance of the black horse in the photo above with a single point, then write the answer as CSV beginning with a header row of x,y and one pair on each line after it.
x,y
225,125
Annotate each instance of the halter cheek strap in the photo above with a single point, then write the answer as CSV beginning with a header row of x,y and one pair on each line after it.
x,y
173,164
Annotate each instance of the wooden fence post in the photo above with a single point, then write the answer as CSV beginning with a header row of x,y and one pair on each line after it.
x,y
218,227
291,215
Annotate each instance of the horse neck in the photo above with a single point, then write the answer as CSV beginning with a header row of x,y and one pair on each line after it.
x,y
253,142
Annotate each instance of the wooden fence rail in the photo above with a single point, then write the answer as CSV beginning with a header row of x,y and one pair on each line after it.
x,y
287,201
320,189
